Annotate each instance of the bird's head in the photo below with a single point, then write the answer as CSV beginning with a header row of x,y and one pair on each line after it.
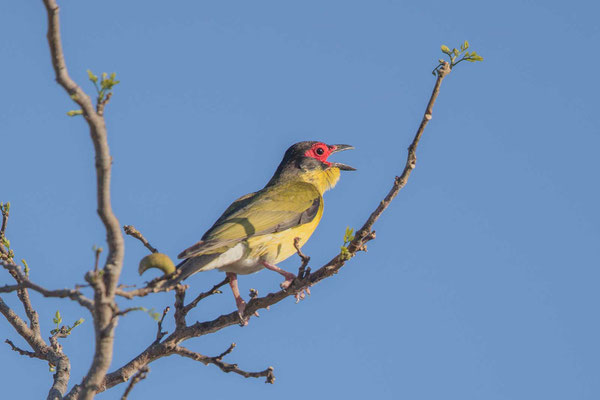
x,y
308,162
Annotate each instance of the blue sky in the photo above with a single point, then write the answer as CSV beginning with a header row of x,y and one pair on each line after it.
x,y
483,280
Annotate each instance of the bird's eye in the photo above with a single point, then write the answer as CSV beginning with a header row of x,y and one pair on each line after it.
x,y
319,151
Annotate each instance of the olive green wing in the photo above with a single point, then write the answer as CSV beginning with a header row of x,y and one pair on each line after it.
x,y
270,210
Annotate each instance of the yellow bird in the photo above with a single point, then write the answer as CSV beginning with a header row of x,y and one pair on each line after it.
x,y
257,231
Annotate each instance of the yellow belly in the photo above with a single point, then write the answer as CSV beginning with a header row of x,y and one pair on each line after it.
x,y
276,247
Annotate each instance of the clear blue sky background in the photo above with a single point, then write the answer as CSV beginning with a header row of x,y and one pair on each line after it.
x,y
483,280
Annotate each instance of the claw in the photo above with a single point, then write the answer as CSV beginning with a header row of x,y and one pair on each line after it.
x,y
289,278
243,321
301,295
241,305
286,284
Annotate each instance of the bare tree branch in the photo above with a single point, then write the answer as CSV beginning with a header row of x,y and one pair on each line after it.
x,y
22,352
160,333
179,306
203,295
228,351
32,334
303,272
24,282
51,354
9,288
5,214
153,352
23,295
4,209
61,378
411,161
131,231
61,364
32,337
156,285
100,106
97,251
127,310
105,285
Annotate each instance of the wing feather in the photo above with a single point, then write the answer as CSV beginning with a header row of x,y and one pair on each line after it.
x,y
270,210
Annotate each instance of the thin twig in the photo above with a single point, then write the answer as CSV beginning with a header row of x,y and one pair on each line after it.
x,y
225,367
31,337
22,352
24,282
141,375
8,288
61,333
303,272
160,333
223,354
127,310
97,251
162,283
23,295
131,231
101,104
411,160
144,291
202,296
5,211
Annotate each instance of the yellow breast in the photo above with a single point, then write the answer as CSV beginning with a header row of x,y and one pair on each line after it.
x,y
276,247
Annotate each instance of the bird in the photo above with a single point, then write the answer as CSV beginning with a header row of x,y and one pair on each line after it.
x,y
257,230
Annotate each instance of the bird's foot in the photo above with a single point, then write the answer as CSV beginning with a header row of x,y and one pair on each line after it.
x,y
241,306
289,278
301,294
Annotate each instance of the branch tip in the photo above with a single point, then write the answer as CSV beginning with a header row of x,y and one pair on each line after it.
x,y
131,231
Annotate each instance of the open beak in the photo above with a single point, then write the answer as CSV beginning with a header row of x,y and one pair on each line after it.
x,y
334,148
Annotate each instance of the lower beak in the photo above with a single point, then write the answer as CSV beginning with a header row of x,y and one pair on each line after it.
x,y
342,166
335,148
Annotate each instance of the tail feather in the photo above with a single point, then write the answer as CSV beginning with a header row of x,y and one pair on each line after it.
x,y
190,266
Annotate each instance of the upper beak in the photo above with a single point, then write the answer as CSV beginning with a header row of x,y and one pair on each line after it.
x,y
341,147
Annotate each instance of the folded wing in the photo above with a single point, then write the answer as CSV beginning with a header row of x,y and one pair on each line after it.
x,y
271,210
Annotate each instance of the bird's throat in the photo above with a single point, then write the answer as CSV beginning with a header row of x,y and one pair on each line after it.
x,y
323,180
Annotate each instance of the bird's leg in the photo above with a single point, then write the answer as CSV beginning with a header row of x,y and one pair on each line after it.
x,y
241,304
289,277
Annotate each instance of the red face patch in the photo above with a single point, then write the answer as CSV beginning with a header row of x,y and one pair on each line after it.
x,y
320,151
